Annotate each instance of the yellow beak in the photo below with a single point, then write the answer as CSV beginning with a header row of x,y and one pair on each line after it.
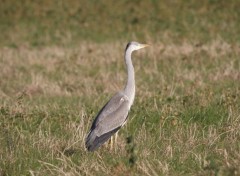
x,y
144,45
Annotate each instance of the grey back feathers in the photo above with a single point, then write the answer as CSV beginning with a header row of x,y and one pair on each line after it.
x,y
108,121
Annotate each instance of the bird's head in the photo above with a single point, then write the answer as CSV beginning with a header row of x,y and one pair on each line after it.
x,y
135,46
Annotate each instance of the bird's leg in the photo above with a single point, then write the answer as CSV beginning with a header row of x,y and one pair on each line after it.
x,y
115,141
108,144
111,143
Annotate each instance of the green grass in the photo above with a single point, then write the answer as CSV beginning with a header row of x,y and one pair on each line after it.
x,y
56,74
67,23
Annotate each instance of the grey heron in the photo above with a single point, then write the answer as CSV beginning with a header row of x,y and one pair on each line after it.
x,y
114,114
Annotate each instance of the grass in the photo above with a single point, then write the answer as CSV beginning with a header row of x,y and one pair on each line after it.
x,y
55,77
67,23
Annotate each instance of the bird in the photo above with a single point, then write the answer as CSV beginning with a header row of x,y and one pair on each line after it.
x,y
114,113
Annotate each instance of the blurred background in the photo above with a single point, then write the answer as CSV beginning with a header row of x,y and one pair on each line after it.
x,y
58,22
61,60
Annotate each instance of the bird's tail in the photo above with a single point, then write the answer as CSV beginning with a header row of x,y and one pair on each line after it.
x,y
93,141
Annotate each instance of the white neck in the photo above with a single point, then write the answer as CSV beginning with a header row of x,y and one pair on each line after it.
x,y
129,89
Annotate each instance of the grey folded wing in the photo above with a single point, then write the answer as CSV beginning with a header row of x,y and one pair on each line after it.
x,y
108,121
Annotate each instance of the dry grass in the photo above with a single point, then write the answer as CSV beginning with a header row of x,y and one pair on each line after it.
x,y
185,119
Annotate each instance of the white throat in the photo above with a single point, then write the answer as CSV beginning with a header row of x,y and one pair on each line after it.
x,y
129,89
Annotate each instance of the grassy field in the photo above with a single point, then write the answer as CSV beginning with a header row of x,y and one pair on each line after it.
x,y
61,61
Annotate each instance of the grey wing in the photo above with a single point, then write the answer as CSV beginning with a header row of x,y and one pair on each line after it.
x,y
108,121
